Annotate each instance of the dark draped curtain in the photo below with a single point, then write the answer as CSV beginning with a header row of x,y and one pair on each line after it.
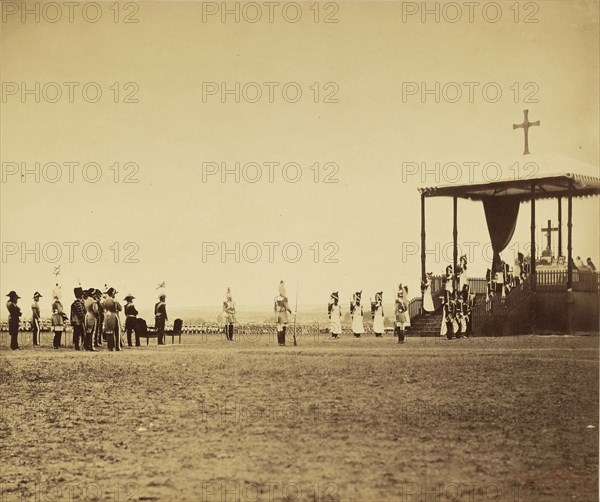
x,y
501,216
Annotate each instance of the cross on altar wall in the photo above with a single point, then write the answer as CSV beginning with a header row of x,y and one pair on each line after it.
x,y
548,233
525,126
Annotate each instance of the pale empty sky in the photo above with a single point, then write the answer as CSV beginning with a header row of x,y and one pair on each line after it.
x,y
363,112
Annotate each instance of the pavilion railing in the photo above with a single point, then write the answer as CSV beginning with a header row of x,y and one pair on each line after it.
x,y
415,307
556,280
477,285
483,313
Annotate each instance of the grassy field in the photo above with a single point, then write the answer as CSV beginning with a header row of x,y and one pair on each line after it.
x,y
503,419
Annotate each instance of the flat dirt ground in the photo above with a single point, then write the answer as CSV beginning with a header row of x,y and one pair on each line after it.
x,y
506,419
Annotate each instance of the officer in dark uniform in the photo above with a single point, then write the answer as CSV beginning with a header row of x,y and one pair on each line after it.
x,y
131,314
111,320
78,318
160,318
14,319
99,331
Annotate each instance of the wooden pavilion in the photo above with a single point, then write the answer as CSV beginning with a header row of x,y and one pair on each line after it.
x,y
561,302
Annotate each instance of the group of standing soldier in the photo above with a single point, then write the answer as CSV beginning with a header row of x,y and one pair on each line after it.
x,y
456,300
282,310
95,315
95,318
402,318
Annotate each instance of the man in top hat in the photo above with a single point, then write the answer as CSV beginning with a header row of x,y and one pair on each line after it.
x,y
35,318
356,311
401,314
229,311
131,314
281,313
111,320
78,317
160,318
335,315
377,314
14,319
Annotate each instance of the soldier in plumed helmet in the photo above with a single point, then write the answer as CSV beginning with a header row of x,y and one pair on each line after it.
x,y
35,318
465,307
377,314
448,278
461,272
335,315
426,286
401,314
281,309
356,311
229,312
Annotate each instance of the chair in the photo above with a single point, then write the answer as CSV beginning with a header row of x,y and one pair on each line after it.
x,y
176,331
144,331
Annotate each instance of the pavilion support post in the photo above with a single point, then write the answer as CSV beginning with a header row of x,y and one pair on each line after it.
x,y
423,255
532,228
532,261
454,240
560,227
570,298
570,238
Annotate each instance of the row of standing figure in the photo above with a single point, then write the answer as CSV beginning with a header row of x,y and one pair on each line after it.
x,y
456,300
449,279
456,312
504,279
282,310
402,317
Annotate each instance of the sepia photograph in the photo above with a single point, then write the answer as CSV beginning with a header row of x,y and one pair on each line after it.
x,y
348,251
